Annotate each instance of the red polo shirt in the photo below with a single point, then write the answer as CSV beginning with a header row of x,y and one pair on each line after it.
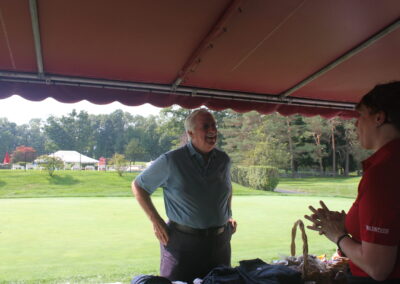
x,y
375,215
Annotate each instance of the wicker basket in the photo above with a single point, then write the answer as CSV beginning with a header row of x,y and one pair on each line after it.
x,y
308,269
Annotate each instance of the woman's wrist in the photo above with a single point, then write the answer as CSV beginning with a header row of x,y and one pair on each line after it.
x,y
339,239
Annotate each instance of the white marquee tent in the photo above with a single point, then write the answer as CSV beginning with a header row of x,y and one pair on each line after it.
x,y
74,157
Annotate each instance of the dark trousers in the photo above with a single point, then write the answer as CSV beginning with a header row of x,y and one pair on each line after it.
x,y
190,256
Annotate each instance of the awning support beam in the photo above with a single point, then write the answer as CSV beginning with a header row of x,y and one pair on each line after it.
x,y
36,36
6,76
385,31
206,43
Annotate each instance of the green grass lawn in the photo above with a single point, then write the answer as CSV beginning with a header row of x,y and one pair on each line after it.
x,y
17,184
322,186
89,228
98,240
32,183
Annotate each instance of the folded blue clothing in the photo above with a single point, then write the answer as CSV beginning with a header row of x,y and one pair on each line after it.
x,y
256,271
223,275
253,271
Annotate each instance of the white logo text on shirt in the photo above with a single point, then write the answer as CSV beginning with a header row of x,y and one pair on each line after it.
x,y
377,229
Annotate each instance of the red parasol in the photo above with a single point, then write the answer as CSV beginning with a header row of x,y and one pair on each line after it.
x,y
6,159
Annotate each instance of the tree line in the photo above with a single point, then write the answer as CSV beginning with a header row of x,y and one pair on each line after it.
x,y
292,144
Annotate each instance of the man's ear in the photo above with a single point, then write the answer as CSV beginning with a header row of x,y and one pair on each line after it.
x,y
190,133
380,118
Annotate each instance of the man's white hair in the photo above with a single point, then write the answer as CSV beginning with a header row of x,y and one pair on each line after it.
x,y
190,122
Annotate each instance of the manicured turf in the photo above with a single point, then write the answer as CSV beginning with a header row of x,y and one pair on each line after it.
x,y
85,227
17,184
34,183
328,186
99,240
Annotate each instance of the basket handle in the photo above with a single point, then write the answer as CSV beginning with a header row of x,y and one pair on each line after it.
x,y
300,224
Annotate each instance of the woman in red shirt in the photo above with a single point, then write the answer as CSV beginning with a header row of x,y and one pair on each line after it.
x,y
369,234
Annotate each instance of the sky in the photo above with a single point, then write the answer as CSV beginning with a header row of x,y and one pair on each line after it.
x,y
17,109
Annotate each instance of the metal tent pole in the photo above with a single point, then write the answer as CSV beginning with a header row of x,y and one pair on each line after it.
x,y
385,31
166,89
36,36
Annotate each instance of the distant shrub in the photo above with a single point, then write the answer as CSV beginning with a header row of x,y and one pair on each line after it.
x,y
257,177
50,163
119,162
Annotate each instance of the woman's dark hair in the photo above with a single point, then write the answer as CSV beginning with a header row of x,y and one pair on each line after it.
x,y
386,98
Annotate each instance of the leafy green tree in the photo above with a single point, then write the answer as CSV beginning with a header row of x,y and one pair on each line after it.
x,y
154,139
289,139
220,117
239,136
119,123
249,138
8,134
270,152
171,124
349,149
317,128
104,137
50,163
112,133
134,150
35,135
71,132
58,132
333,124
119,162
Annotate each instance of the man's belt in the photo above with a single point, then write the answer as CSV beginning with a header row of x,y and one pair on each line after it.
x,y
200,232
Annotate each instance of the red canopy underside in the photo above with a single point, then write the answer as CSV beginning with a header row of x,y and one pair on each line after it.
x,y
235,54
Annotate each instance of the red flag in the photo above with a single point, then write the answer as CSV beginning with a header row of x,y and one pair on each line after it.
x,y
6,159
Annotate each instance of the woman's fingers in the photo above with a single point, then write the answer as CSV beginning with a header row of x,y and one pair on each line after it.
x,y
316,222
324,206
313,228
320,211
317,229
312,209
312,219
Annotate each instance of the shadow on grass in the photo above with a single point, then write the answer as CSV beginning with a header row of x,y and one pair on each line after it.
x,y
65,180
2,183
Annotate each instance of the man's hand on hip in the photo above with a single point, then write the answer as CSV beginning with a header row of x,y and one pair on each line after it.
x,y
233,224
161,231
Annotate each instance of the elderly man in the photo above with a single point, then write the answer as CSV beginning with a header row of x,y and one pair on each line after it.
x,y
197,194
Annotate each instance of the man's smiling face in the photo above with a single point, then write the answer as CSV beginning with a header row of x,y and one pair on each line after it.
x,y
204,135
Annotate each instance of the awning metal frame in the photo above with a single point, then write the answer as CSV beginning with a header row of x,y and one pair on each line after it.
x,y
371,40
217,30
36,36
49,79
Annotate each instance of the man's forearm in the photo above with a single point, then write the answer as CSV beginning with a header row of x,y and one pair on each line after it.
x,y
159,226
145,202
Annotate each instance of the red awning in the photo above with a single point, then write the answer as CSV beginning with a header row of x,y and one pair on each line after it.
x,y
294,56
